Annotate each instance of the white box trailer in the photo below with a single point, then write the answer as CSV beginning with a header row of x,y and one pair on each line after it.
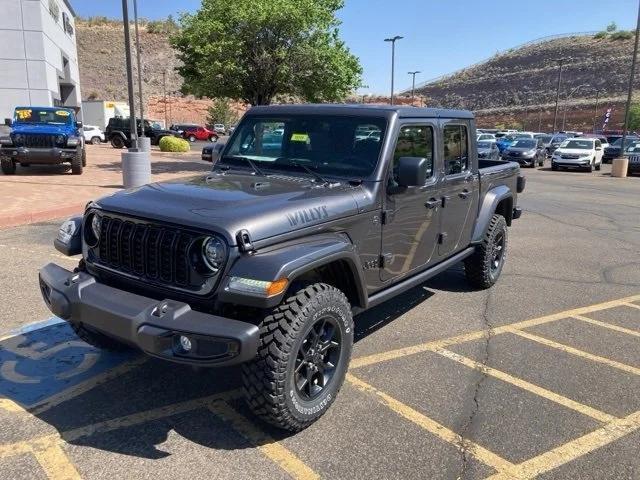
x,y
98,112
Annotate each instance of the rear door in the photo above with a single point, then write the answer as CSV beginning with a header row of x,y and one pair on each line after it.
x,y
459,189
410,231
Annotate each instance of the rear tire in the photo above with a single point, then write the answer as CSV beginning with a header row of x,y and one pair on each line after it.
x,y
554,167
213,139
191,138
483,268
598,166
8,166
77,163
84,157
97,339
96,141
117,142
303,355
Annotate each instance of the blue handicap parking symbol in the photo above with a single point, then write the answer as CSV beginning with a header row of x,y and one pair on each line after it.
x,y
40,362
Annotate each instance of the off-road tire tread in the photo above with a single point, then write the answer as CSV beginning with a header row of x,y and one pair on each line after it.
x,y
477,267
96,339
264,377
76,163
8,166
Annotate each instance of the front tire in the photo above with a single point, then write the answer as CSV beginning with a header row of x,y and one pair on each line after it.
x,y
213,139
483,268
8,166
117,142
84,157
191,138
77,163
96,141
303,356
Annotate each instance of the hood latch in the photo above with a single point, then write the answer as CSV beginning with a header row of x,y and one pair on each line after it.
x,y
244,241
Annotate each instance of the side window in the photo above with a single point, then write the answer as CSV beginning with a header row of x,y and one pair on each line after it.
x,y
598,144
414,141
456,149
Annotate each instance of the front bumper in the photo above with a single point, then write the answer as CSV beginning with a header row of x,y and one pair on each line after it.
x,y
51,156
151,325
571,163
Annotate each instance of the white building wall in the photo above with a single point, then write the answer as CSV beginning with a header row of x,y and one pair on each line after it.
x,y
32,47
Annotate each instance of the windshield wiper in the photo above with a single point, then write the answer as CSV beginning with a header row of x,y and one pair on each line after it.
x,y
251,163
311,172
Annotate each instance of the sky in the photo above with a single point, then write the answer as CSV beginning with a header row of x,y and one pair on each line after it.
x,y
440,36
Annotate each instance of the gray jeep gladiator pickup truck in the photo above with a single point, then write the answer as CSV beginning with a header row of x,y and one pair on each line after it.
x,y
310,215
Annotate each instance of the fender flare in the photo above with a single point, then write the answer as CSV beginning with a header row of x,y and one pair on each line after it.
x,y
291,261
488,207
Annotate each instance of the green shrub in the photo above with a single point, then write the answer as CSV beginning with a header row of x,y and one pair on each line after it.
x,y
174,144
622,35
600,35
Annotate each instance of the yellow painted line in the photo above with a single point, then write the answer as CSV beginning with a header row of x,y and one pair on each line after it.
x,y
269,447
576,352
609,326
632,305
530,387
403,352
10,406
87,385
575,449
53,460
482,454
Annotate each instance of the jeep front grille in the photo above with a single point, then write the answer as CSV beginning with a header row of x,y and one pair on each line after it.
x,y
148,251
39,141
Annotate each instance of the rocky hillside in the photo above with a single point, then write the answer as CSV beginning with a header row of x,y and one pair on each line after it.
x,y
527,77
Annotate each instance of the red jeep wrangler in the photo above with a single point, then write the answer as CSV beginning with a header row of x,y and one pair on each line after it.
x,y
199,133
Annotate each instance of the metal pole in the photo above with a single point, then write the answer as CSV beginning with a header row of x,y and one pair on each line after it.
x,y
540,120
393,60
127,53
595,112
164,95
555,115
566,102
630,92
413,86
135,21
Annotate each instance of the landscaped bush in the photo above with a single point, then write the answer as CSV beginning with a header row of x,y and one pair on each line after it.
x,y
600,35
174,144
622,35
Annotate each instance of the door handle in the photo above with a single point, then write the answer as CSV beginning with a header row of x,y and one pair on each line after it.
x,y
464,194
432,203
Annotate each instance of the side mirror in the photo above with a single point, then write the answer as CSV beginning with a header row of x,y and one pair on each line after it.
x,y
78,124
8,122
412,171
216,152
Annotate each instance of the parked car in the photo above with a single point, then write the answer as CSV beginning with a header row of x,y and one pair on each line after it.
x,y
485,136
488,149
604,141
523,135
93,134
118,132
633,152
265,260
199,133
578,153
504,142
181,127
43,136
614,149
555,142
526,151
220,129
231,129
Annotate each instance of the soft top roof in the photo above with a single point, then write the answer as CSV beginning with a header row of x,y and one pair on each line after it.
x,y
359,109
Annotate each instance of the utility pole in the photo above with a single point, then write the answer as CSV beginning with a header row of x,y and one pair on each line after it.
x,y
566,102
141,99
625,127
595,112
540,120
393,41
413,85
127,53
555,115
164,97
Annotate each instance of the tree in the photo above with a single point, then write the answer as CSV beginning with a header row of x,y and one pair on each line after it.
x,y
634,117
612,27
255,50
221,112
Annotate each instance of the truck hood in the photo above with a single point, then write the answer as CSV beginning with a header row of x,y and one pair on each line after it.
x,y
43,129
230,202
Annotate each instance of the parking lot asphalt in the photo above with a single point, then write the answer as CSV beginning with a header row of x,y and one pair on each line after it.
x,y
536,377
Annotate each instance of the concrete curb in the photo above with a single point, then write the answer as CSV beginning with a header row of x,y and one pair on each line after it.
x,y
26,218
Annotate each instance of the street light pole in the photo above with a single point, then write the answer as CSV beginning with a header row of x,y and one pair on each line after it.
x,y
630,92
540,120
393,41
413,85
164,97
135,22
566,102
127,53
595,112
555,115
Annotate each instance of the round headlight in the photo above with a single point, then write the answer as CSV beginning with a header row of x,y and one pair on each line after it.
x,y
18,139
214,253
60,140
92,227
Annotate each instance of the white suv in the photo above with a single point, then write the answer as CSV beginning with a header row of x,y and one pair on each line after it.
x,y
582,153
92,134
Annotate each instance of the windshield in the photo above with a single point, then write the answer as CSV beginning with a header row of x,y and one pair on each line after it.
x,y
524,144
559,138
523,135
628,141
545,138
485,144
328,144
42,115
579,144
634,147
